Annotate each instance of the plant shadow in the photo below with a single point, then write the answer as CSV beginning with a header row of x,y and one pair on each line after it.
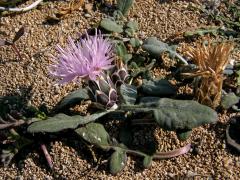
x,y
83,151
220,130
144,141
15,108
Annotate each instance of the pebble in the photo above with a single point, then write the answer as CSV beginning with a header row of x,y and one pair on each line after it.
x,y
87,15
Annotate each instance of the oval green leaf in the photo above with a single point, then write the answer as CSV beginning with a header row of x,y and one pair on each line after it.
x,y
95,133
118,161
157,88
124,5
229,100
111,26
147,161
61,122
173,114
128,94
73,98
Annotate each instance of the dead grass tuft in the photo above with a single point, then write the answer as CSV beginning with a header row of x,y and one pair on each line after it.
x,y
211,60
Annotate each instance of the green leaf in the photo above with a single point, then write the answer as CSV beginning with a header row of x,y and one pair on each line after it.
x,y
124,5
61,122
96,134
111,26
131,28
173,114
229,100
117,14
202,31
147,99
156,48
182,114
121,49
126,58
122,52
135,42
157,88
130,32
145,71
147,161
73,98
183,135
132,25
238,77
7,155
128,94
118,161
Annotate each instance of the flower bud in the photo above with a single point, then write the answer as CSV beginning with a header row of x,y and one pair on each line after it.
x,y
101,98
103,91
113,95
120,75
103,85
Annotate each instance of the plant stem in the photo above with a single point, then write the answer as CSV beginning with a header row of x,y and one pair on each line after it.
x,y
33,5
15,49
157,155
6,125
136,108
143,122
163,155
47,155
173,153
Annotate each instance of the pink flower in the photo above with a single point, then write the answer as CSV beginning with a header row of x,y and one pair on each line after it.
x,y
85,59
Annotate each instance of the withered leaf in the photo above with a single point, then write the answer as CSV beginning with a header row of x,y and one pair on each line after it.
x,y
19,34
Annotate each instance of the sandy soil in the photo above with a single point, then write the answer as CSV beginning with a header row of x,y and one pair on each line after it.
x,y
29,76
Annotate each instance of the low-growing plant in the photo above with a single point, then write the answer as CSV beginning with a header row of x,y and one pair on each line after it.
x,y
108,64
108,86
92,59
138,54
15,116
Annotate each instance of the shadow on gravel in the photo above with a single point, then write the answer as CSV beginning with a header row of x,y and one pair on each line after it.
x,y
233,135
220,130
14,113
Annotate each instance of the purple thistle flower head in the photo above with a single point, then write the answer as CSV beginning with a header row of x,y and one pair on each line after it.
x,y
85,59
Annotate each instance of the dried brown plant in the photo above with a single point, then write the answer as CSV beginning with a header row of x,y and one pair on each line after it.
x,y
211,61
73,6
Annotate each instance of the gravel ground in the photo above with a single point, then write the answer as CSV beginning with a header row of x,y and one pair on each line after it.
x,y
29,76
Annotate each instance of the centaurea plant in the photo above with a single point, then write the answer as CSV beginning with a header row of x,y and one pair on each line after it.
x,y
92,59
88,59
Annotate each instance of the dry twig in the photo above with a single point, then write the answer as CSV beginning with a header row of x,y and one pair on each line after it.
x,y
33,5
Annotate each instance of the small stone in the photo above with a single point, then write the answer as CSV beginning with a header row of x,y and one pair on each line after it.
x,y
227,162
87,15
